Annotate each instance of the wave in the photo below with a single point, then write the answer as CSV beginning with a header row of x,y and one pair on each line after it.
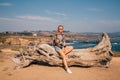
x,y
69,43
115,43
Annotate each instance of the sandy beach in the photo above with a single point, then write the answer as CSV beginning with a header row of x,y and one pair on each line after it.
x,y
43,72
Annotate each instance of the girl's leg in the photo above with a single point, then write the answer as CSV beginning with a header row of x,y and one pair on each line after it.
x,y
63,57
64,60
68,49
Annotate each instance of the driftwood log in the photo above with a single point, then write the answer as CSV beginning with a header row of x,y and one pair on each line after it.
x,y
100,55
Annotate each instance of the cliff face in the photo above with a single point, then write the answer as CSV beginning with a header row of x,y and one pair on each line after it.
x,y
25,40
46,37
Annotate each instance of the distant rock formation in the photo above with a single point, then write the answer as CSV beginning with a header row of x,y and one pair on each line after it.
x,y
99,55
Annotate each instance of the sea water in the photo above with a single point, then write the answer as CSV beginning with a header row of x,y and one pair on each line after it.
x,y
79,44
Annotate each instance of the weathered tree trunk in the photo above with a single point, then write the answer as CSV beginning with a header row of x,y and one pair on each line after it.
x,y
99,55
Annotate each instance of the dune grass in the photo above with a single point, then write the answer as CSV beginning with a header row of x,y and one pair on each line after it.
x,y
16,48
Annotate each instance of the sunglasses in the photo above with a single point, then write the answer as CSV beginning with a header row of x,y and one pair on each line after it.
x,y
60,29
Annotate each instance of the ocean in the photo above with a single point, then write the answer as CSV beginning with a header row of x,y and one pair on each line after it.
x,y
79,44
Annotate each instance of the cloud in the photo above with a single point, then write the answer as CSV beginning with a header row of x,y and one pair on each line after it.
x,y
5,4
95,26
41,18
54,13
20,23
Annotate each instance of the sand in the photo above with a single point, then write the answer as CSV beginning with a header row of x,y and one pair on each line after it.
x,y
43,72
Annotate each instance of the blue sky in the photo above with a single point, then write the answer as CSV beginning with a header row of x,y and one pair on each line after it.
x,y
74,15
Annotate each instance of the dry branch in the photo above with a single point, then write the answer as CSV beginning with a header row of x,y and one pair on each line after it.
x,y
99,55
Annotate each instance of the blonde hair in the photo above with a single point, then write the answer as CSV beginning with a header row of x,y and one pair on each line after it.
x,y
60,26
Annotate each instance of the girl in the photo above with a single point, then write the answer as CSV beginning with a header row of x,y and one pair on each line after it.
x,y
60,46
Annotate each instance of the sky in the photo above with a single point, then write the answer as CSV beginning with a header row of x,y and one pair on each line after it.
x,y
46,15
